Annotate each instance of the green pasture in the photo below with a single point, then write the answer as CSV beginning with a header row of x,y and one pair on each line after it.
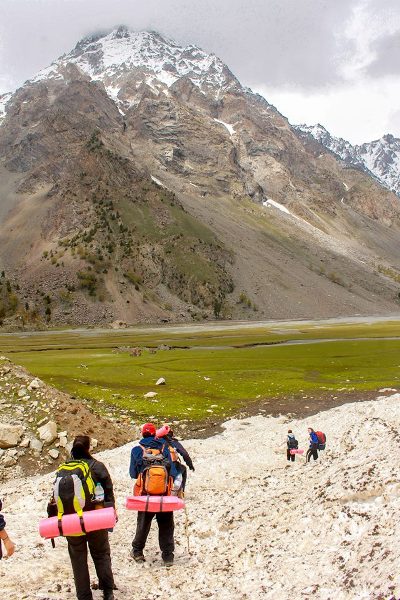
x,y
211,373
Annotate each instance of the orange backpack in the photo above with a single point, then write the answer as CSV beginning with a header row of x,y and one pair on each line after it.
x,y
153,479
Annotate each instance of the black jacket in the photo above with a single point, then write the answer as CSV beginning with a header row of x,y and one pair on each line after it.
x,y
2,521
179,448
101,475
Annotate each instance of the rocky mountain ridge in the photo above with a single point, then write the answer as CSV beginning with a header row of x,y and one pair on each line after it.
x,y
141,182
381,158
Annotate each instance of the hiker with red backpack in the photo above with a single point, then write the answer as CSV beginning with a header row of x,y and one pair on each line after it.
x,y
82,484
152,467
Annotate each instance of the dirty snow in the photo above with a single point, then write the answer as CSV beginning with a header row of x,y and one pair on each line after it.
x,y
258,527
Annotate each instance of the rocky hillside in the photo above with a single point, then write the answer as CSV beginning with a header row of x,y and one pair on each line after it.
x,y
139,181
38,423
257,526
381,158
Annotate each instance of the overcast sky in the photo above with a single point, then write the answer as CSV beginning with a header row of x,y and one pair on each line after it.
x,y
336,62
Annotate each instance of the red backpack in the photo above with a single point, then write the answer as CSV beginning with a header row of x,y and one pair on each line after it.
x,y
321,440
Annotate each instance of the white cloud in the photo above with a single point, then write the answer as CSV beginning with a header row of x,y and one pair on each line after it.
x,y
358,113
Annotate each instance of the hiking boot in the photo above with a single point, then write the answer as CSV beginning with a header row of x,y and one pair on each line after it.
x,y
168,561
138,556
108,595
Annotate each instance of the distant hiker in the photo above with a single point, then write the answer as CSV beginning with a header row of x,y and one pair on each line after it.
x,y
175,448
7,541
292,444
93,478
152,467
313,449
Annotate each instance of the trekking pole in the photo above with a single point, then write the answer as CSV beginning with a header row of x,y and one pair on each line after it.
x,y
187,529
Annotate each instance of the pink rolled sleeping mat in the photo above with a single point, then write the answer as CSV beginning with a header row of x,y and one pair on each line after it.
x,y
93,520
164,430
296,451
154,503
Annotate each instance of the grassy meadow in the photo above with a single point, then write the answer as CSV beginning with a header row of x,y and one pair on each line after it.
x,y
211,372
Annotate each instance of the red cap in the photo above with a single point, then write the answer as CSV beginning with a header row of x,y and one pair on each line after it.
x,y
149,428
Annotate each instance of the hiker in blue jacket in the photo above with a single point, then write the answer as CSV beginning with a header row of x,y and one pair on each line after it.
x,y
313,449
165,520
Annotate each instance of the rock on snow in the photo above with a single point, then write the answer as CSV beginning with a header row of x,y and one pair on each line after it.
x,y
258,527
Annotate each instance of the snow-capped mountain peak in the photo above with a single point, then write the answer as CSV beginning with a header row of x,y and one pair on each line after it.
x,y
379,157
123,60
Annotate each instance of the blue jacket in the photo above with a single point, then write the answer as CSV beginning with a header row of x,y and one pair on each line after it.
x,y
313,438
136,465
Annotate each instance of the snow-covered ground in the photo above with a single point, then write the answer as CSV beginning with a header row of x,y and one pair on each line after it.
x,y
258,527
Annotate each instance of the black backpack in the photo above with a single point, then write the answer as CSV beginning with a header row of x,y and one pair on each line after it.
x,y
73,488
293,444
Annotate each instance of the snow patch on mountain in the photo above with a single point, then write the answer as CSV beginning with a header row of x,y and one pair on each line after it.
x,y
4,98
269,202
229,127
381,158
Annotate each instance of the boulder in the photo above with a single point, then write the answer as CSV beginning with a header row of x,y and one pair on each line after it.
x,y
35,384
25,443
9,461
36,445
63,441
22,392
10,435
150,395
160,381
48,432
53,453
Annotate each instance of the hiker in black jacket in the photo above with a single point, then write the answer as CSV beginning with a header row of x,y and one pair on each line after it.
x,y
7,541
165,433
96,540
292,444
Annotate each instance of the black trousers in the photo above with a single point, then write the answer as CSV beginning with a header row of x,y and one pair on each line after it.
x,y
312,452
291,457
165,522
182,469
99,547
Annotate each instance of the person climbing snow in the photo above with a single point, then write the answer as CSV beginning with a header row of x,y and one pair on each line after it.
x,y
292,444
152,467
175,447
313,449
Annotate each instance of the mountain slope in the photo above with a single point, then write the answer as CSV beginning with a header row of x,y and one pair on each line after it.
x,y
140,181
